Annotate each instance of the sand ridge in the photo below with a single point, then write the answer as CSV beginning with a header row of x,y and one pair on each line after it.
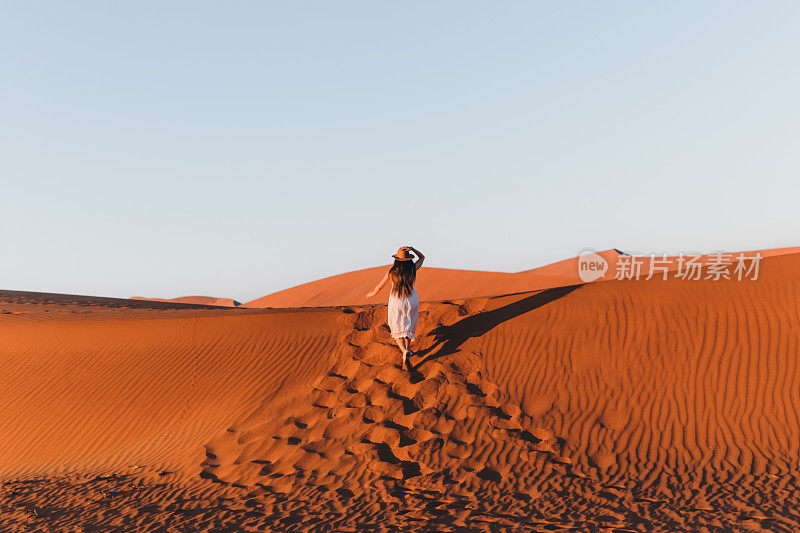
x,y
196,300
437,284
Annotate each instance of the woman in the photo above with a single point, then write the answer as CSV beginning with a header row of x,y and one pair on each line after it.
x,y
403,299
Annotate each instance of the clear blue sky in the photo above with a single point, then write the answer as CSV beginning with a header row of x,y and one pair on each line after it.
x,y
236,149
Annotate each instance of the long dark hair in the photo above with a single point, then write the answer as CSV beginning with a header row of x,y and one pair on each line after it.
x,y
403,274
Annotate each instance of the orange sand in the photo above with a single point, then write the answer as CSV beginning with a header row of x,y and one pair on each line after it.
x,y
621,406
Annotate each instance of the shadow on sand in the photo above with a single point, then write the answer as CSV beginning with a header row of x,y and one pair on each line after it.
x,y
448,339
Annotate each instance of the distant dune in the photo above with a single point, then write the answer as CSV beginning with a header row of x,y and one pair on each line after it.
x,y
632,405
197,300
433,284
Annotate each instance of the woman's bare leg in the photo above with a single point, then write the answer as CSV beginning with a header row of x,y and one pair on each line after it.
x,y
409,352
401,344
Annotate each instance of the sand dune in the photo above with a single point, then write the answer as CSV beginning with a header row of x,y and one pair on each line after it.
x,y
437,284
621,405
433,284
198,300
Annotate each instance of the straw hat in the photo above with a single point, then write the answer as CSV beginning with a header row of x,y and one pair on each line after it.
x,y
403,254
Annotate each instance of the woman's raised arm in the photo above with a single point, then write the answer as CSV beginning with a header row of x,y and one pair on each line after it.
x,y
379,286
419,261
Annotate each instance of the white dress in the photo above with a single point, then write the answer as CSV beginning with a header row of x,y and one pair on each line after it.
x,y
403,314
